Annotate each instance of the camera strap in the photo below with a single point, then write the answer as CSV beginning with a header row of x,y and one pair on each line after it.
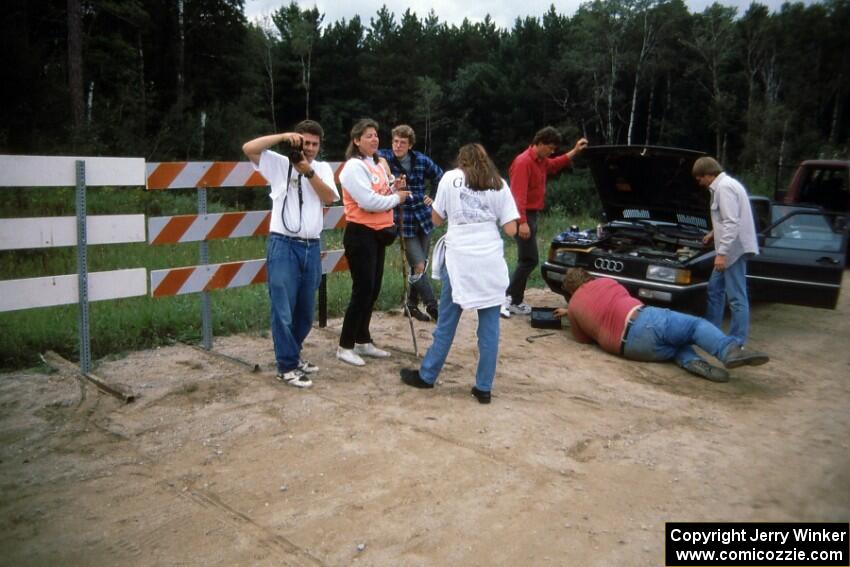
x,y
300,201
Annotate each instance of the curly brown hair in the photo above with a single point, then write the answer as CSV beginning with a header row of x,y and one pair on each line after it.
x,y
404,131
574,279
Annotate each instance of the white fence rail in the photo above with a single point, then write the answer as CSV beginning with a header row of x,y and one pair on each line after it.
x,y
50,232
59,171
17,295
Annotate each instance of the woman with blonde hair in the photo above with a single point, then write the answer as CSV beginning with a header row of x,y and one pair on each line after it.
x,y
470,261
369,199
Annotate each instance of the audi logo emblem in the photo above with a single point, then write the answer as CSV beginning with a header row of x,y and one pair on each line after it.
x,y
608,265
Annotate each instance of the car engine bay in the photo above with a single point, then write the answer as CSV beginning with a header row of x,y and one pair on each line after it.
x,y
674,243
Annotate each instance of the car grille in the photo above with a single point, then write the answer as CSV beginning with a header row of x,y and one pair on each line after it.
x,y
609,265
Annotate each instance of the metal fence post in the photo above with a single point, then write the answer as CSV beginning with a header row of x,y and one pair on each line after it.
x,y
82,269
206,315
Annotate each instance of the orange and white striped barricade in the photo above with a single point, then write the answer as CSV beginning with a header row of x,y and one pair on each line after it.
x,y
200,176
204,227
196,228
203,174
209,277
80,231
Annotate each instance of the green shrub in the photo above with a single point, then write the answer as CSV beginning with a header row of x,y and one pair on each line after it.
x,y
573,194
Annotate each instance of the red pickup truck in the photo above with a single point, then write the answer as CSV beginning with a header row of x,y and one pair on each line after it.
x,y
825,183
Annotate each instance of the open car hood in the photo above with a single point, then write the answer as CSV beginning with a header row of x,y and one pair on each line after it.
x,y
647,182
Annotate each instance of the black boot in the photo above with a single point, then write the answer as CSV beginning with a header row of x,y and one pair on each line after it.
x,y
413,311
480,395
433,311
422,289
742,356
411,377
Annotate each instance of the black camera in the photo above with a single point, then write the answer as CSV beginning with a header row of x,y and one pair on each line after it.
x,y
293,152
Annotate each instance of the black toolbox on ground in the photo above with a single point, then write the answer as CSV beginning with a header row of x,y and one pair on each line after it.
x,y
542,318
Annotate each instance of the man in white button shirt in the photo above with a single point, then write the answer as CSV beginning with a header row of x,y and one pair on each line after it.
x,y
734,236
300,185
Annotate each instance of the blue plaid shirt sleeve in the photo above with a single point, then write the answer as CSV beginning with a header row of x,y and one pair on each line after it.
x,y
416,214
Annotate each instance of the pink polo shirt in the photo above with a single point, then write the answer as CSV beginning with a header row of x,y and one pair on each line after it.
x,y
597,312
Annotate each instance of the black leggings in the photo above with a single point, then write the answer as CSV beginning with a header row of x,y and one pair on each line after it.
x,y
365,251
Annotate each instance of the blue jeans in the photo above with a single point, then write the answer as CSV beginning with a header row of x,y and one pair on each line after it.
x,y
294,273
661,334
444,334
416,251
730,284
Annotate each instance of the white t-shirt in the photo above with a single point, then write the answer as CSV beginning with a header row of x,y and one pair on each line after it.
x,y
460,205
306,222
474,253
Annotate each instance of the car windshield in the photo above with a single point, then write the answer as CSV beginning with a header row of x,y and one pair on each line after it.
x,y
804,229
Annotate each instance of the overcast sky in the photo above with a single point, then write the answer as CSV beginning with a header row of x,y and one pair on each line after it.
x,y
503,12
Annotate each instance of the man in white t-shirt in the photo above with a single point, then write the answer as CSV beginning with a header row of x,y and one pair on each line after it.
x,y
300,185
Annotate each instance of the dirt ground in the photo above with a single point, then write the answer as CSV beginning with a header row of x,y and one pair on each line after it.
x,y
579,460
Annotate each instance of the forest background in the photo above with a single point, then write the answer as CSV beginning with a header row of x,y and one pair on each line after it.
x,y
194,79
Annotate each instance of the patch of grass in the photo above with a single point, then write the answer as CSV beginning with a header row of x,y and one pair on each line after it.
x,y
144,322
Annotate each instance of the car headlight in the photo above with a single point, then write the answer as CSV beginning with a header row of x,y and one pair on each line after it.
x,y
667,274
562,257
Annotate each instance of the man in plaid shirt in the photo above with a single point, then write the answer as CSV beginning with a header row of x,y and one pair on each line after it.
x,y
416,225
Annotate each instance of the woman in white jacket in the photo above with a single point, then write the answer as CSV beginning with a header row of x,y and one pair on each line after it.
x,y
470,261
369,197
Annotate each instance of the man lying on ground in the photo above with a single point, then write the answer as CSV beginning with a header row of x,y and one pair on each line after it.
x,y
602,311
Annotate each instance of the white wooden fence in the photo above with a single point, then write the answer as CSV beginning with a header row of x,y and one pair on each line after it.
x,y
81,231
43,171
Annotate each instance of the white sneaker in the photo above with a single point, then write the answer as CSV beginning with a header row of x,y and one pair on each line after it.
x,y
295,378
503,309
349,356
521,309
369,349
306,366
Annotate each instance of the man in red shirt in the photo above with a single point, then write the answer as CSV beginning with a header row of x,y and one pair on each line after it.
x,y
528,184
602,311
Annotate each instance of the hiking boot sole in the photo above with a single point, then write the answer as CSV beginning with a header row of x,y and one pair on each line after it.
x,y
755,359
